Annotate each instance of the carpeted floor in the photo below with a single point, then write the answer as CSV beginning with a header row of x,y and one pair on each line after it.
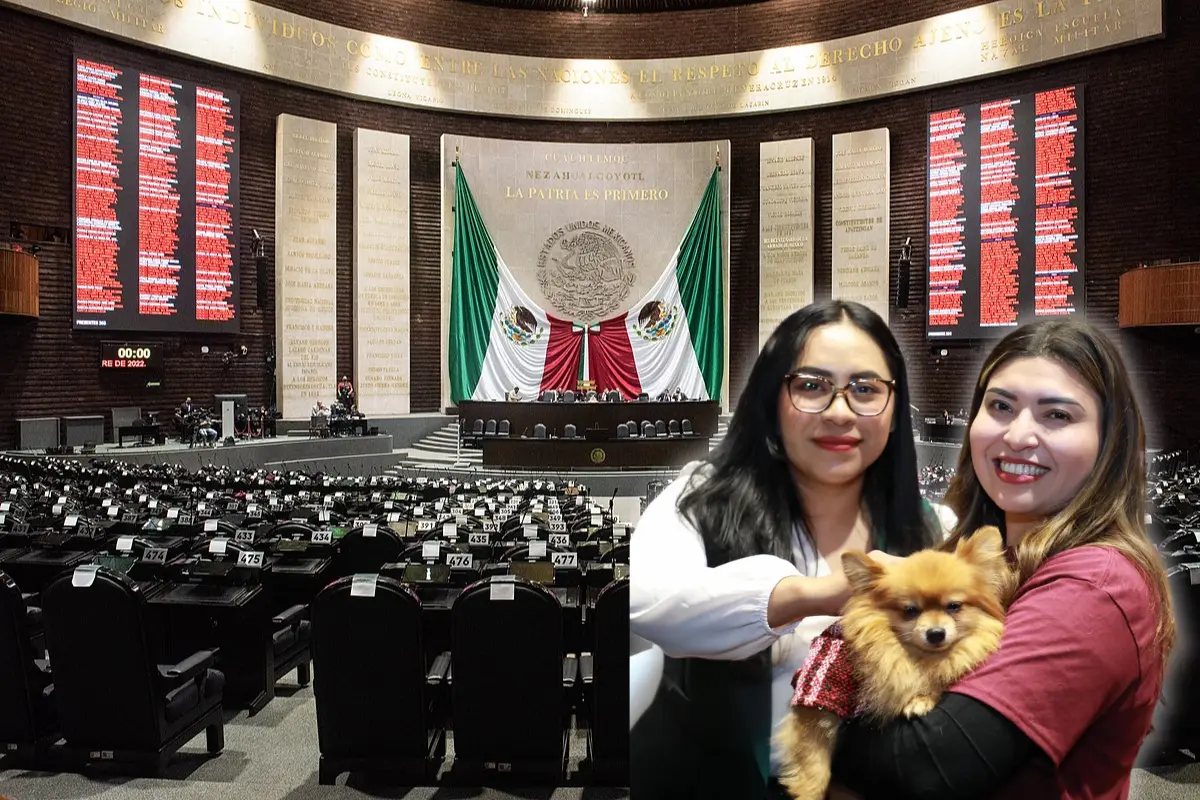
x,y
271,756
1171,784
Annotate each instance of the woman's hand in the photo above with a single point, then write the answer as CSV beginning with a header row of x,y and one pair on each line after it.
x,y
798,597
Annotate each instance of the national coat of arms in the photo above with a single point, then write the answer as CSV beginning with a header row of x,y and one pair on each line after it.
x,y
656,321
521,326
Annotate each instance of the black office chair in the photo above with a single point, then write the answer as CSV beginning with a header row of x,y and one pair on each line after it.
x,y
477,429
504,428
223,527
687,428
617,555
28,714
660,428
413,553
622,431
648,429
539,431
490,428
633,428
605,674
569,431
288,529
378,708
508,633
367,554
520,552
673,427
290,644
118,706
569,396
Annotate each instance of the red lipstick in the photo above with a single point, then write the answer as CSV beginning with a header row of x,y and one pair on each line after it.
x,y
837,444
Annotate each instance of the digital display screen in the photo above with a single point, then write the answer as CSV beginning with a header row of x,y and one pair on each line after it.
x,y
156,199
1005,214
142,358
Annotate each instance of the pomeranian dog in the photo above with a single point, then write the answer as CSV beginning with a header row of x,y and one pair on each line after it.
x,y
910,630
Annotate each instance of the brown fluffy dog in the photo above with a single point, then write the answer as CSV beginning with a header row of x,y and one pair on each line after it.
x,y
911,630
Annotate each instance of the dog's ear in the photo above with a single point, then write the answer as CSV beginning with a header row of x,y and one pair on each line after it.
x,y
985,549
981,547
861,570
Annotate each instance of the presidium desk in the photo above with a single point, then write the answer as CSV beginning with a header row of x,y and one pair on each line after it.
x,y
595,444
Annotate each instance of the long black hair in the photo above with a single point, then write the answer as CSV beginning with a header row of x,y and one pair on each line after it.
x,y
743,501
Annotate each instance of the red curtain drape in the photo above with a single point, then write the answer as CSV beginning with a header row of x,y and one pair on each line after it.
x,y
563,352
610,359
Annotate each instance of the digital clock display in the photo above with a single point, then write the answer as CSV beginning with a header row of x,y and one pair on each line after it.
x,y
142,358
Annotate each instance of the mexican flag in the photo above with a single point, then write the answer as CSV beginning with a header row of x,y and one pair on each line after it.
x,y
673,338
499,338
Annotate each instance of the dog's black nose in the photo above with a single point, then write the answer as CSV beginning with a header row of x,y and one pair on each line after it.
x,y
935,635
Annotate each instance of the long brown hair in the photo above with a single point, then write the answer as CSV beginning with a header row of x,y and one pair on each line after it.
x,y
1110,508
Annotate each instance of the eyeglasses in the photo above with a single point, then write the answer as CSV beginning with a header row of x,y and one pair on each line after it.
x,y
868,397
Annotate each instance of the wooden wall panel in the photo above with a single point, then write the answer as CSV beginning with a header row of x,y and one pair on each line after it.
x,y
1142,187
18,283
1160,296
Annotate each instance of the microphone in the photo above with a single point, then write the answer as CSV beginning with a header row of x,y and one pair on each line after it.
x,y
612,501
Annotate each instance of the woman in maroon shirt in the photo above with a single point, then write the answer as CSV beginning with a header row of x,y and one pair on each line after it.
x,y
1056,458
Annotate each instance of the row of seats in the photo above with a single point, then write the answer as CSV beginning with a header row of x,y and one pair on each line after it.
x,y
570,396
658,428
484,429
234,534
384,699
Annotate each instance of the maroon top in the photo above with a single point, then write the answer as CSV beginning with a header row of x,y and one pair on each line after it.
x,y
1077,672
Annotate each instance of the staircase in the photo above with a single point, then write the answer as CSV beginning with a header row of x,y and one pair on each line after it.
x,y
440,448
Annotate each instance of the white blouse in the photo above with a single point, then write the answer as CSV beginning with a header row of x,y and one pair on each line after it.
x,y
691,610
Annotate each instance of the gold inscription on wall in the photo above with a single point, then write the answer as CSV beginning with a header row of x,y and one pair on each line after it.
x,y
253,37
566,174
305,263
861,186
381,272
785,235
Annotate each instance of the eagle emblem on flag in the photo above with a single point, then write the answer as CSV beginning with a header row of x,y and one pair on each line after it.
x,y
520,326
656,321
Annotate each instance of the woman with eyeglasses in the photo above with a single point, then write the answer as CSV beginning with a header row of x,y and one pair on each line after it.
x,y
736,566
